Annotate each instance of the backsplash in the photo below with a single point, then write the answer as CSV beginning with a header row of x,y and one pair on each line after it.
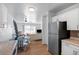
x,y
74,33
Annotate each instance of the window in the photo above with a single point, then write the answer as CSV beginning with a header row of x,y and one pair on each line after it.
x,y
31,18
30,29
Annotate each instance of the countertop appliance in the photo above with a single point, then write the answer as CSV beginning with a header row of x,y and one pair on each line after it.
x,y
56,32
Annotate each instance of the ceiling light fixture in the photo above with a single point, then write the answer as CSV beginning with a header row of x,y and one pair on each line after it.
x,y
31,9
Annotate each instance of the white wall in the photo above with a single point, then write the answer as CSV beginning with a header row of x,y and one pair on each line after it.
x,y
50,15
6,30
47,18
3,14
45,29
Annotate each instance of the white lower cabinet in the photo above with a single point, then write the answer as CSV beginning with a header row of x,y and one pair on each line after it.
x,y
66,49
69,49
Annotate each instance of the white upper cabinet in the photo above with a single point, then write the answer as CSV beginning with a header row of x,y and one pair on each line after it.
x,y
3,15
72,17
0,14
62,17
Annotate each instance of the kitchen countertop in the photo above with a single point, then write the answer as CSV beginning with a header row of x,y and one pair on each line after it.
x,y
7,47
73,41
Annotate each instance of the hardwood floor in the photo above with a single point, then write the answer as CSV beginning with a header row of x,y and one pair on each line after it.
x,y
35,48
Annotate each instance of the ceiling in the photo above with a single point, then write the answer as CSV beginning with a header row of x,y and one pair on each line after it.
x,y
19,10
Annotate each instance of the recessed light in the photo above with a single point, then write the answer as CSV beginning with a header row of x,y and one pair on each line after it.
x,y
31,9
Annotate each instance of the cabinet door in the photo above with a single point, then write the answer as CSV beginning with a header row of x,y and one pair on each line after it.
x,y
66,49
62,17
75,50
3,15
72,19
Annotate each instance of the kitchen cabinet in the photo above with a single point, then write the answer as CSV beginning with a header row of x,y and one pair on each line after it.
x,y
69,49
61,17
66,49
72,17
3,15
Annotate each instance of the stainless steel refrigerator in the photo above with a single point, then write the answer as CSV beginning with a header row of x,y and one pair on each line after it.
x,y
56,32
